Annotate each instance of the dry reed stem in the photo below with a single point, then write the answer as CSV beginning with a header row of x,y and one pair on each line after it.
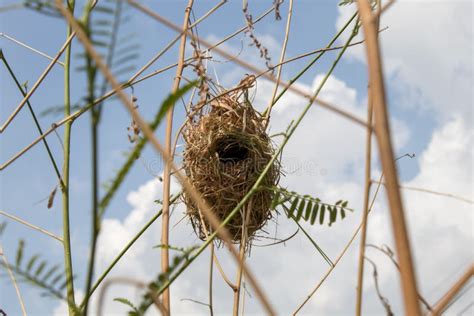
x,y
215,223
38,82
167,171
368,166
13,279
14,40
37,228
280,64
365,210
444,301
243,248
211,270
453,196
382,131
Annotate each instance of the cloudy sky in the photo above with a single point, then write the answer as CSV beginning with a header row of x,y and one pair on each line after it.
x,y
427,49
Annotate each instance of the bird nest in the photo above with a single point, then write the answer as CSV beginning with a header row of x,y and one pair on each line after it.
x,y
225,152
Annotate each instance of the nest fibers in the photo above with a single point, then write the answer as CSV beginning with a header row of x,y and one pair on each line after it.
x,y
225,152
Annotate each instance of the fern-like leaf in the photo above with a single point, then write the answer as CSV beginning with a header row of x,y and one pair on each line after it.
x,y
307,208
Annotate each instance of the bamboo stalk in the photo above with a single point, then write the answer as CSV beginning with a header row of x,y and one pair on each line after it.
x,y
167,171
382,132
444,301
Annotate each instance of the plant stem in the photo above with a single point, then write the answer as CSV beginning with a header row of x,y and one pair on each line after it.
x,y
65,177
382,133
243,244
95,220
308,66
122,253
211,271
35,119
280,65
167,170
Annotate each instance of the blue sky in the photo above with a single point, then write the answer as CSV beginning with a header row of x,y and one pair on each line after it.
x,y
430,100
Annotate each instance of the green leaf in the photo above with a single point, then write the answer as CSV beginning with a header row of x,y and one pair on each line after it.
x,y
314,214
171,100
309,207
126,302
31,263
344,204
40,268
126,58
321,214
56,279
293,207
338,202
333,215
50,272
300,210
3,225
343,213
99,43
103,9
19,252
275,200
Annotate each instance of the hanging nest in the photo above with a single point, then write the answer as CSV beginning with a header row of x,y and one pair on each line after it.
x,y
226,149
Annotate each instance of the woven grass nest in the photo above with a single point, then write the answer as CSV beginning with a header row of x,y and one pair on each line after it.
x,y
226,149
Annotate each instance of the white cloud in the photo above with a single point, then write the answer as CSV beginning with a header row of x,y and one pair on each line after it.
x,y
427,52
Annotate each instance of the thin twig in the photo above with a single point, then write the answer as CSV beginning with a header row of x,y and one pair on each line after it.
x,y
246,210
13,279
21,221
365,210
280,65
383,299
35,119
30,48
168,149
453,196
389,253
211,271
38,82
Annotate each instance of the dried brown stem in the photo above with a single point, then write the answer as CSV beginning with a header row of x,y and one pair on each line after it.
x,y
443,302
280,64
382,131
167,170
365,210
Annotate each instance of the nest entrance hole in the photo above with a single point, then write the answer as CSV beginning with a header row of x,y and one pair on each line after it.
x,y
231,150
